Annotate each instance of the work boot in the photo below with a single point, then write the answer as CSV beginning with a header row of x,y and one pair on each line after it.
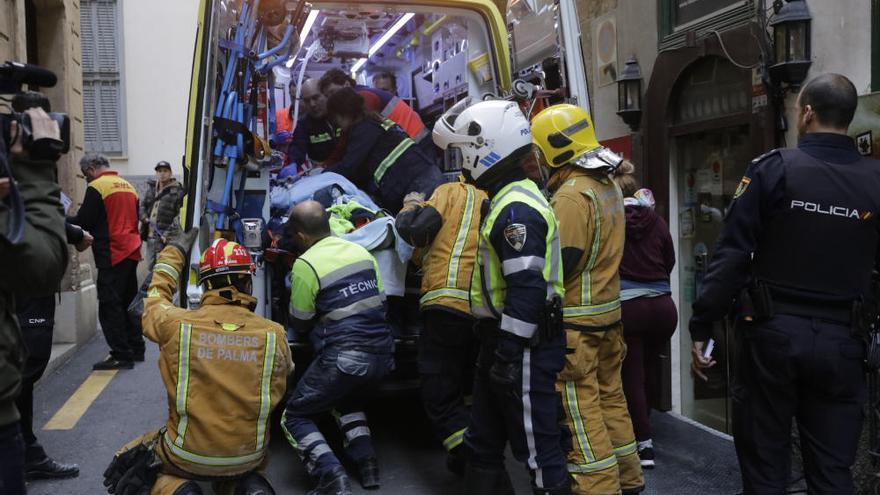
x,y
633,491
48,468
480,481
369,473
456,459
111,363
333,483
563,488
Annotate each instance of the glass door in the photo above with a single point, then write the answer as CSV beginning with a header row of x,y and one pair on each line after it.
x,y
709,165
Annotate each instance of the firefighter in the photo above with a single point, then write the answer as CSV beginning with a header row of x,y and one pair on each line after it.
x,y
446,228
225,369
515,293
589,208
338,301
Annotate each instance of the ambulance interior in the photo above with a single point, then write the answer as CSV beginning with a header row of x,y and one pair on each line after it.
x,y
437,56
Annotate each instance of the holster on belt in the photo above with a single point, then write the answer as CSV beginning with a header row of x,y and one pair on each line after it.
x,y
756,303
550,325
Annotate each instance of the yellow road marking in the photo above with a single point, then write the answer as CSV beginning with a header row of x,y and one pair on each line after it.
x,y
78,403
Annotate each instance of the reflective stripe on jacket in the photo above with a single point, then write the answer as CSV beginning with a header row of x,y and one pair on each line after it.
x,y
591,218
225,370
448,262
337,283
502,266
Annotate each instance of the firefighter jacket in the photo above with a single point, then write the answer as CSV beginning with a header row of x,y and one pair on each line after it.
x,y
336,284
109,212
224,368
313,138
591,218
519,268
447,228
33,267
383,161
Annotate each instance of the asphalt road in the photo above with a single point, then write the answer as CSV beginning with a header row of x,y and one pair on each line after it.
x,y
690,460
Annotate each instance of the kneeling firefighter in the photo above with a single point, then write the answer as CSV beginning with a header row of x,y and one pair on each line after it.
x,y
220,357
589,208
515,293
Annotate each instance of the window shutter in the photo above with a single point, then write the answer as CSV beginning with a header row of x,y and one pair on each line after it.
x,y
102,102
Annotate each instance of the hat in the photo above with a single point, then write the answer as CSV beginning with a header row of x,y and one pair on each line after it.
x,y
163,164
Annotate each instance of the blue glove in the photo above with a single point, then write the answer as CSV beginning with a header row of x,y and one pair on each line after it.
x,y
282,138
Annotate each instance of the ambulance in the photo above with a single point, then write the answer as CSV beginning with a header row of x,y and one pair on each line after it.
x,y
439,53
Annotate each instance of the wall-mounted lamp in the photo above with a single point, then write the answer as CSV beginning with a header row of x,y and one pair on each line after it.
x,y
629,93
791,42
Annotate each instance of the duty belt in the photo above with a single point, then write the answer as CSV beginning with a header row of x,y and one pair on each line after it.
x,y
833,312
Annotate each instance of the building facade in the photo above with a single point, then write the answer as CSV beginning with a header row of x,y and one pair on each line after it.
x,y
47,33
707,111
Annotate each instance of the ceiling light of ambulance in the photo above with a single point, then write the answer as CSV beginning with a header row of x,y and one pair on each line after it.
x,y
307,27
384,39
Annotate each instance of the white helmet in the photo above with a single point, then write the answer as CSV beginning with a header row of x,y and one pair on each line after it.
x,y
489,135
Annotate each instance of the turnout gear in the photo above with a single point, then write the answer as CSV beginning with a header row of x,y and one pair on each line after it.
x,y
313,138
491,136
337,283
591,218
224,341
800,358
590,210
565,135
447,227
517,277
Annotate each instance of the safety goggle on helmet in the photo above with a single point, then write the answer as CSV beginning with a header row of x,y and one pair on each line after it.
x,y
486,136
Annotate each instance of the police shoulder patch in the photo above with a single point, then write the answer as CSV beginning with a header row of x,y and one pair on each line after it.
x,y
515,235
741,188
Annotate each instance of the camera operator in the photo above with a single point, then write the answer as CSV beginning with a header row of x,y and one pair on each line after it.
x,y
32,266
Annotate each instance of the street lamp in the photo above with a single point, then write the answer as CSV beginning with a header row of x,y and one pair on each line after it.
x,y
791,41
629,93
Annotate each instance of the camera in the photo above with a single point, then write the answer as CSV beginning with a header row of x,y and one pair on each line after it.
x,y
12,76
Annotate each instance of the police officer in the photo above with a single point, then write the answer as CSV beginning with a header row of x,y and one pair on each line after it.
x,y
446,227
338,301
516,291
225,369
797,250
589,208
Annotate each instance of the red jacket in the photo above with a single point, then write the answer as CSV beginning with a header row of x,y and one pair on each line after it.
x,y
395,109
110,213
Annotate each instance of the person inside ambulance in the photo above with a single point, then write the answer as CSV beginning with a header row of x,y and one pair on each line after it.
x,y
386,81
225,369
446,228
338,301
284,123
315,137
516,293
379,157
387,105
589,207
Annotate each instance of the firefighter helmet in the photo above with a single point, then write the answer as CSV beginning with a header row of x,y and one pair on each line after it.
x,y
564,133
491,136
224,258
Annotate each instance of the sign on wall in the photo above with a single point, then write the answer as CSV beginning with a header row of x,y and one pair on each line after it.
x,y
865,127
605,41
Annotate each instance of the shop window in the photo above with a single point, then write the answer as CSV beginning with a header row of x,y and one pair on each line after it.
x,y
103,114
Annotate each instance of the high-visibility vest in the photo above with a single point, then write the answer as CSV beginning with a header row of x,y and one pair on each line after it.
x,y
398,111
488,286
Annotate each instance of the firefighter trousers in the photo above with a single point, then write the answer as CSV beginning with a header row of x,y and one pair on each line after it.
x,y
447,348
526,415
172,481
603,458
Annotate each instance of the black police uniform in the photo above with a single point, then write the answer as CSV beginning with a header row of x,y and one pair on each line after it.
x,y
803,232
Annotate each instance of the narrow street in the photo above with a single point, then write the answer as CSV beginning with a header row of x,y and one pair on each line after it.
x,y
690,460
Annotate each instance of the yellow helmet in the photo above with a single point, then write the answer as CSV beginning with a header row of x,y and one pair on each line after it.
x,y
564,133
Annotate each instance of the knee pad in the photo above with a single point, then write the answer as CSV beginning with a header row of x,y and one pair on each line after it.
x,y
188,488
254,484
